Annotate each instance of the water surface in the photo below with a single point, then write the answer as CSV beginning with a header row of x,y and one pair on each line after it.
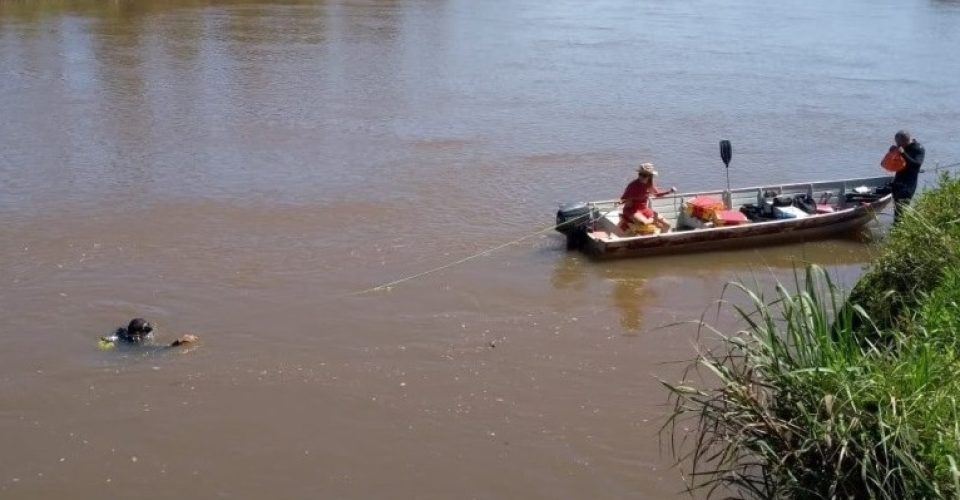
x,y
238,169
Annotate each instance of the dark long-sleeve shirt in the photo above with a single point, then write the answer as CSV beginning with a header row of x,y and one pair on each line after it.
x,y
906,179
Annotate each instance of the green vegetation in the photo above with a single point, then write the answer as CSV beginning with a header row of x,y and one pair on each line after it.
x,y
824,396
919,253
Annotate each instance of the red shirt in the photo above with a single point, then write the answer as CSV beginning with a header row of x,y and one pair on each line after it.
x,y
636,195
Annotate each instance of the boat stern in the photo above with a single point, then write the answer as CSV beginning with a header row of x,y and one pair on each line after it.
x,y
574,220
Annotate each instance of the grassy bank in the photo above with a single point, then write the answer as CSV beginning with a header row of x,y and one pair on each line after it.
x,y
824,395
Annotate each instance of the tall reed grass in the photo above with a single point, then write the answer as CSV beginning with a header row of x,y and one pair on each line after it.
x,y
796,411
821,395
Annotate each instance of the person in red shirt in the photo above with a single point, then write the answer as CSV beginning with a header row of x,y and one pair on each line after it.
x,y
636,198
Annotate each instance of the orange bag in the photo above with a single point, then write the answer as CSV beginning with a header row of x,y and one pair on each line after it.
x,y
893,161
704,207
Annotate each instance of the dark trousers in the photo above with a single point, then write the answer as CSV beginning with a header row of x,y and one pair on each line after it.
x,y
901,199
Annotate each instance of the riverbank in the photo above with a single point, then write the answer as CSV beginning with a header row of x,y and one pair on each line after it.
x,y
828,396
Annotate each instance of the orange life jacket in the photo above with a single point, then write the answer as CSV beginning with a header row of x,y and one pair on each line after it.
x,y
893,161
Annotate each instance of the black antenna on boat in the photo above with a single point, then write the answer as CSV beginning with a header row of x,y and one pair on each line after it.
x,y
726,151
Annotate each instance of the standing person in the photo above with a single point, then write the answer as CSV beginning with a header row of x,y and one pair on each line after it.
x,y
636,198
905,180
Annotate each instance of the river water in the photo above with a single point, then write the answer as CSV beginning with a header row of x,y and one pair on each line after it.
x,y
239,169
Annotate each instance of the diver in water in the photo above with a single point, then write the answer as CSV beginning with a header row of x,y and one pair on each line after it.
x,y
140,332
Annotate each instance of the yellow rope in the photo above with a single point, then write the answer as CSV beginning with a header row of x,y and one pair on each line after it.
x,y
386,286
944,167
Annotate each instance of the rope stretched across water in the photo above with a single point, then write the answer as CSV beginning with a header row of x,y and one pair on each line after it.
x,y
386,286
942,167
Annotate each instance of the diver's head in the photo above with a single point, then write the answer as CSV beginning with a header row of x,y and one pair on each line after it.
x,y
138,330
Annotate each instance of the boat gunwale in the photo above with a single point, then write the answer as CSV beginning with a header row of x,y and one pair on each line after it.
x,y
780,187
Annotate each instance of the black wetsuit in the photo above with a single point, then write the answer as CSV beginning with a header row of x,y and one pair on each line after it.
x,y
905,182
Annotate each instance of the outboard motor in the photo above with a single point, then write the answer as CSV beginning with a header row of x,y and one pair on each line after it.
x,y
574,220
574,217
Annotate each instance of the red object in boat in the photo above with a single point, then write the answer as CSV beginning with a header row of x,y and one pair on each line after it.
x,y
730,218
704,207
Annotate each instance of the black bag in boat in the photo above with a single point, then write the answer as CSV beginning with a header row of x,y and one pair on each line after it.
x,y
878,192
752,212
783,201
861,197
884,190
757,213
805,203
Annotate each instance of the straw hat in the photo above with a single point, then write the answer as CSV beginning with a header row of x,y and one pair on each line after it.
x,y
647,168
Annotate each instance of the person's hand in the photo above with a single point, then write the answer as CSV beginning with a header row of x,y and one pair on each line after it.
x,y
900,149
184,340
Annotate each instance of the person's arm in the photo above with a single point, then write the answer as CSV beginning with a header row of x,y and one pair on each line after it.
x,y
916,159
185,340
656,192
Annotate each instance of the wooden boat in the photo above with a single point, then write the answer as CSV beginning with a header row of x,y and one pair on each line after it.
x,y
846,205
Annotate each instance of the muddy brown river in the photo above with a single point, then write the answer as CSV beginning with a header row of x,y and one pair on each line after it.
x,y
240,170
